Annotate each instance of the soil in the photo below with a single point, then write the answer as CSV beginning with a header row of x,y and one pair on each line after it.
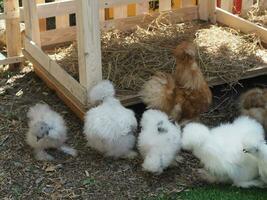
x,y
90,175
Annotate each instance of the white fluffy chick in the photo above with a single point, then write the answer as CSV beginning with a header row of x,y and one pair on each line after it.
x,y
259,151
47,130
221,151
159,141
109,127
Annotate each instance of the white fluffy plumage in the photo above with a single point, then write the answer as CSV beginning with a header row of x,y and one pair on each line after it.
x,y
159,141
259,151
109,127
47,130
220,149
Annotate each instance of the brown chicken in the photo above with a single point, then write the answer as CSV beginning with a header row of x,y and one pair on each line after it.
x,y
253,103
182,95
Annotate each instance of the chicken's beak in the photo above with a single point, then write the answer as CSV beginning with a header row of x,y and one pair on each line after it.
x,y
245,151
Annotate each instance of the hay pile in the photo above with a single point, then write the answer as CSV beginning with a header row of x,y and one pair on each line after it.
x,y
130,58
257,15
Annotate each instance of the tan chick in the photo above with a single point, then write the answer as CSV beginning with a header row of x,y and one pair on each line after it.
x,y
253,103
183,95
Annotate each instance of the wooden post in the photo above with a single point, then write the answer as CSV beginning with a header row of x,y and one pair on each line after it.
x,y
203,9
120,12
89,44
13,36
42,22
62,21
212,10
187,3
32,30
246,5
102,14
165,5
227,5
142,8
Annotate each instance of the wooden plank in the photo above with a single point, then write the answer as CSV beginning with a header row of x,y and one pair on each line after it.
x,y
13,36
241,24
56,71
176,16
69,34
142,7
42,22
246,5
11,60
89,43
32,30
187,3
57,36
63,20
120,12
227,5
203,9
165,5
71,101
114,3
212,11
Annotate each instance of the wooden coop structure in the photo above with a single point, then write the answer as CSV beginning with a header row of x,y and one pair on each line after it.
x,y
92,16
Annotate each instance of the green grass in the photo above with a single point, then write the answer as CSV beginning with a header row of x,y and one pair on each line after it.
x,y
217,193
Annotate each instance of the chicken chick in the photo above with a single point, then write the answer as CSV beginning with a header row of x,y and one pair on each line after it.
x,y
47,130
109,127
159,141
220,149
253,103
183,95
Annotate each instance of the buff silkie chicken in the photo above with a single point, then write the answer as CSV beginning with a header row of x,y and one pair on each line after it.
x,y
183,95
253,103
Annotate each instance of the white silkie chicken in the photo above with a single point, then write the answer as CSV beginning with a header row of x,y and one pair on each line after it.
x,y
109,127
221,151
159,141
47,130
259,151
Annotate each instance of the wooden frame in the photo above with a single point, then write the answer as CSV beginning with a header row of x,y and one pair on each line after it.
x,y
90,20
11,16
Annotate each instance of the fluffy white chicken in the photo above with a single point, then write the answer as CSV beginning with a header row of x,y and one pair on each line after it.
x,y
221,151
109,127
47,130
159,141
259,151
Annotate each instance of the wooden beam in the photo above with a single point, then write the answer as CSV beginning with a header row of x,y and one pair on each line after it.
x,y
246,5
165,5
32,30
176,16
120,12
68,34
42,22
58,36
241,24
212,11
142,7
89,44
203,9
227,5
71,101
56,71
11,60
13,36
63,20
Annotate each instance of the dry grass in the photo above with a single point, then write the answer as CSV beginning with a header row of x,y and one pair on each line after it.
x,y
257,15
130,58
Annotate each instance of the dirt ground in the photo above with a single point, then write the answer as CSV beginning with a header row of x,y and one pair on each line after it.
x,y
88,176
